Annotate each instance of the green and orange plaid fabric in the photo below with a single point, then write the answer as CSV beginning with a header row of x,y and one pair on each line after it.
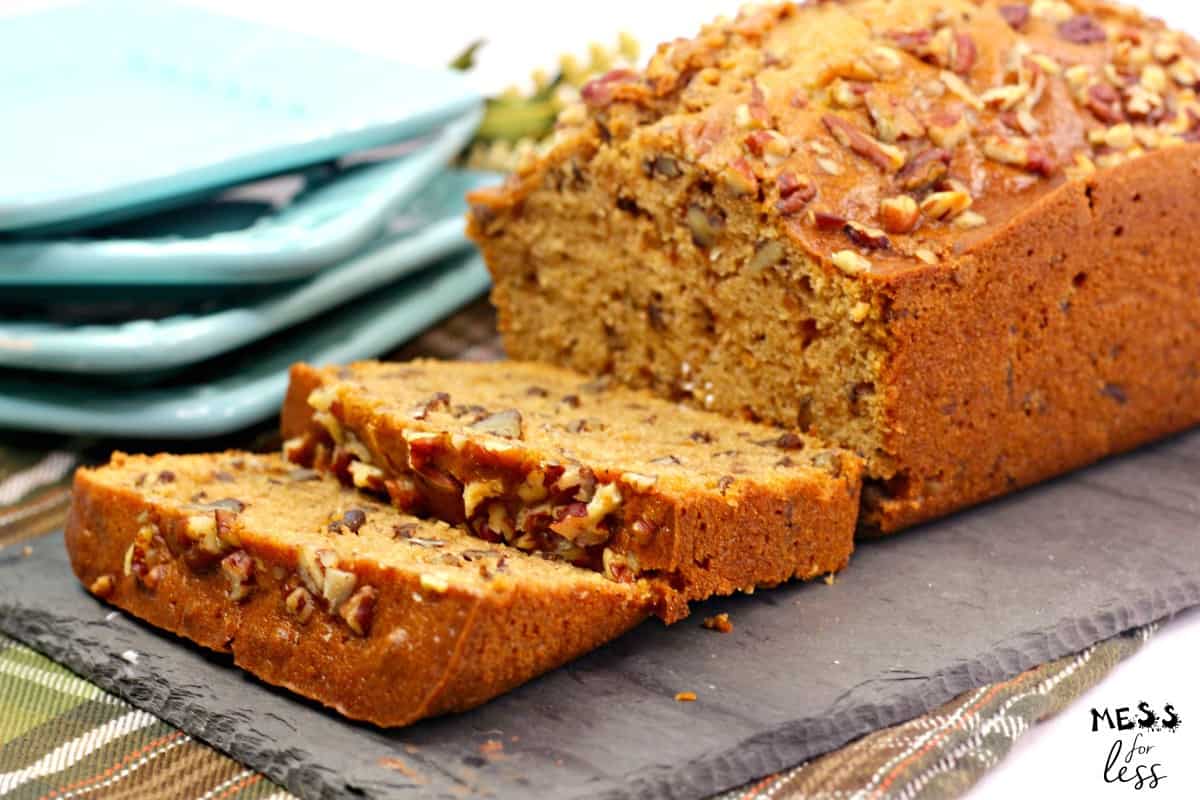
x,y
62,737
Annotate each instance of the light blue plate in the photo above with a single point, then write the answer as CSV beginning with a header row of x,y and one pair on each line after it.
x,y
241,238
247,387
112,107
152,345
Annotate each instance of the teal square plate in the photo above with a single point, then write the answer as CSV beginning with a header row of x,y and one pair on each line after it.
x,y
114,107
428,228
234,392
280,229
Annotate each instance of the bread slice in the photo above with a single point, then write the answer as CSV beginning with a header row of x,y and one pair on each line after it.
x,y
327,592
955,236
618,481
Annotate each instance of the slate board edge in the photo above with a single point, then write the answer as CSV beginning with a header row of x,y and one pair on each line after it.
x,y
789,744
794,743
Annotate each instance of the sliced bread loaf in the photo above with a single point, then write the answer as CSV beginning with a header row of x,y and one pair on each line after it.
x,y
618,481
325,591
955,236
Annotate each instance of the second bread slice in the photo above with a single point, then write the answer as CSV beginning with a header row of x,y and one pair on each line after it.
x,y
602,477
318,588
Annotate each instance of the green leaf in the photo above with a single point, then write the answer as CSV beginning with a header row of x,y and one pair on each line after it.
x,y
466,59
514,120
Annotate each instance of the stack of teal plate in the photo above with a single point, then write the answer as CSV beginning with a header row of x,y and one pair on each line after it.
x,y
190,203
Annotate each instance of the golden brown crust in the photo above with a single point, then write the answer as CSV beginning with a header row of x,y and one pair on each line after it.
x,y
688,529
1021,304
425,653
1069,335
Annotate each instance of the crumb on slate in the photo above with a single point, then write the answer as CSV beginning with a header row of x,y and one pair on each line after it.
x,y
830,579
719,623
686,697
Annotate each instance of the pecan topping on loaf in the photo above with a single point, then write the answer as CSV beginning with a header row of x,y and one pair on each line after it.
x,y
856,96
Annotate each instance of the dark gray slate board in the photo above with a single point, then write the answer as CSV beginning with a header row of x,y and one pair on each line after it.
x,y
917,619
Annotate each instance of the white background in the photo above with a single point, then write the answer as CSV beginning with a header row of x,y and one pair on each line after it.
x,y
1061,758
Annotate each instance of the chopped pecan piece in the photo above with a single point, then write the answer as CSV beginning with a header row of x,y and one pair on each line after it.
x,y
866,238
1015,14
826,221
359,610
885,60
1082,29
795,193
739,177
1018,152
926,169
599,93
885,156
847,94
899,214
366,476
959,88
769,145
1005,97
435,583
1105,102
238,568
948,129
226,522
439,401
767,253
963,53
912,41
705,225
339,584
299,603
103,586
946,205
851,262
506,424
642,483
893,119
719,623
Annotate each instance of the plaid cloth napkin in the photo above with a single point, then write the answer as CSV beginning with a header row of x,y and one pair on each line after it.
x,y
62,737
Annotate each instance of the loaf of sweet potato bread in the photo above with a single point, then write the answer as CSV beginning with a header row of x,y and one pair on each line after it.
x,y
549,461
320,589
955,236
